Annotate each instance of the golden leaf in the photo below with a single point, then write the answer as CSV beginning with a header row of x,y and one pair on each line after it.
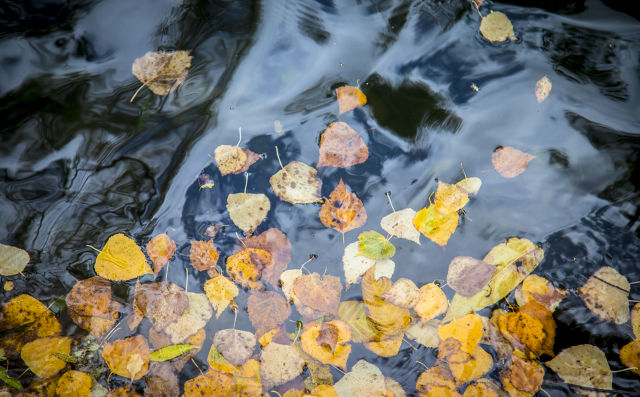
x,y
606,294
542,89
449,198
466,329
387,318
525,332
482,388
38,355
435,377
163,72
479,364
432,302
124,356
522,377
354,313
630,356
90,305
211,383
203,255
248,210
497,27
297,183
337,355
635,320
121,259
436,226
349,98
234,159
246,266
510,162
364,379
221,291
343,211
160,249
538,289
341,146
74,384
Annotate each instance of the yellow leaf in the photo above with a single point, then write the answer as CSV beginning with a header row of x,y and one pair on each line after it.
x,y
364,379
439,378
403,293
482,388
479,364
90,305
234,159
128,357
449,198
432,302
538,289
436,226
336,354
221,291
163,72
387,318
497,27
635,320
211,383
583,365
246,266
466,329
248,210
543,88
74,384
38,355
297,183
279,364
121,259
354,313
349,98
606,294
630,355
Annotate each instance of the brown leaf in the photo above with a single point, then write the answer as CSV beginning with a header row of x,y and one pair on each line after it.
x,y
191,320
279,364
211,383
343,211
245,267
315,345
203,255
317,296
267,310
278,245
161,380
160,249
467,275
90,305
510,162
341,146
522,376
162,303
234,159
235,345
349,98
127,357
161,71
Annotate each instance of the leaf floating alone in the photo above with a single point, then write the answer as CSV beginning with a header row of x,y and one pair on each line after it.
x,y
121,259
341,146
203,255
297,183
12,260
606,294
234,159
510,162
38,355
400,224
349,98
127,357
343,211
497,27
583,365
543,88
248,210
160,249
373,245
169,352
163,72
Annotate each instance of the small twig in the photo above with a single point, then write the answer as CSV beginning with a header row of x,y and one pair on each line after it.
x,y
278,155
635,282
235,317
409,343
477,8
545,392
389,198
624,370
239,133
339,370
273,391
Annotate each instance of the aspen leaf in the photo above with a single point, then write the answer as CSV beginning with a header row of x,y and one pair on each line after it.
x,y
335,355
424,333
121,259
162,303
394,389
467,276
38,355
522,377
439,378
497,27
510,162
583,365
544,315
525,332
538,289
163,72
161,380
160,249
234,159
349,98
403,293
297,183
343,211
128,357
635,320
542,89
630,356
279,364
387,318
12,260
364,379
316,295
74,384
278,245
606,294
435,226
246,266
170,352
193,319
449,198
221,292
388,345
470,185
400,224
211,383
479,364
373,245
432,302
466,329
341,146
235,345
203,255
355,265
482,388
90,305
248,210
267,310
354,313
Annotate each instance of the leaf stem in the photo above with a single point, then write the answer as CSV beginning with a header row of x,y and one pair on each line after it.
x,y
388,194
240,138
246,181
135,93
278,154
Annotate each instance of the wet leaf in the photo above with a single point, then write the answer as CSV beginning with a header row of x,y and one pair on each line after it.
x,y
160,249
364,379
635,320
170,352
297,183
373,245
121,259
630,356
432,302
245,267
323,391
128,357
286,282
235,345
278,245
279,364
211,383
438,379
522,377
525,332
341,146
510,162
424,333
467,276
193,319
38,355
482,388
336,355
354,313
248,210
542,89
606,294
403,293
583,365
355,265
400,224
9,380
449,198
74,384
163,72
497,27
161,380
343,211
267,310
12,260
234,159
317,296
538,289
470,185
349,98
479,364
90,305
221,292
203,255
162,303
435,226
466,329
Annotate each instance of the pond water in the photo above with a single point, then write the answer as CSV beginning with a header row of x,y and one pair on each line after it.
x,y
79,162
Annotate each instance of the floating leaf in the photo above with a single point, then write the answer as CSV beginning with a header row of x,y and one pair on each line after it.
x,y
635,320
343,211
543,88
162,303
354,313
606,294
246,266
234,159
522,377
525,332
510,162
449,198
349,98
583,365
497,27
538,289
121,259
203,255
424,333
170,352
335,354
470,185
297,183
630,356
12,260
191,320
221,292
235,345
436,381
355,265
364,379
373,245
248,210
38,355
74,384
287,279
317,296
479,364
435,226
278,245
4,376
341,146
467,276
128,357
432,302
403,293
400,224
211,383
90,305
466,329
482,388
267,310
279,364
163,72
160,249
161,380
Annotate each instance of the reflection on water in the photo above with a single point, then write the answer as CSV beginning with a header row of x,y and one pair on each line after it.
x,y
79,163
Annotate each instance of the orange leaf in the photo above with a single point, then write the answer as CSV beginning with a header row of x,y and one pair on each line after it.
x,y
245,267
510,162
435,377
343,211
74,384
479,364
539,289
121,259
234,159
278,245
127,357
203,255
341,146
160,249
349,98
466,329
211,383
313,342
522,377
630,355
316,295
267,310
90,305
435,226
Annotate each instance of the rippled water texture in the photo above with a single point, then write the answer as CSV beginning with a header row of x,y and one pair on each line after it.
x,y
79,162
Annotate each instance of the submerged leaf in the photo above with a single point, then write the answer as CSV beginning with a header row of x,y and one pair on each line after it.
x,y
341,146
235,345
163,72
279,364
497,27
278,245
317,296
510,162
349,98
38,355
297,183
90,305
191,320
343,211
248,210
467,275
267,310
355,265
364,379
373,245
160,249
121,259
12,260
127,357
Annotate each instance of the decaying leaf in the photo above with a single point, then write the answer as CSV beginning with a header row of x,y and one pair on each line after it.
x,y
436,381
467,276
38,355
403,293
400,224
466,329
343,211
162,303
191,320
355,265
248,210
90,305
297,183
234,159
121,259
341,146
526,333
221,292
349,98
74,384
245,267
314,339
235,345
478,364
364,379
373,245
543,88
278,245
279,364
432,302
510,162
128,357
12,260
354,313
435,226
163,72
160,249
583,365
161,380
606,294
267,310
497,27
170,352
424,333
635,320
538,289
316,295
522,377
203,255
482,388
470,185
630,356
211,383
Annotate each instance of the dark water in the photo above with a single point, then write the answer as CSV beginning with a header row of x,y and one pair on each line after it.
x,y
79,163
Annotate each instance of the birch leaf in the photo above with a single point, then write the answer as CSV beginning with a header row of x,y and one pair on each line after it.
x,y
297,183
221,292
12,260
497,27
163,72
583,365
606,294
400,224
343,211
121,259
248,210
341,146
349,98
510,162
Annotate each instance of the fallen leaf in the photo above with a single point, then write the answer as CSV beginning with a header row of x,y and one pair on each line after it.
x,y
286,283
211,383
248,210
128,357
635,320
297,183
470,185
122,392
354,313
341,146
510,162
245,267
435,226
121,259
466,329
170,352
349,98
467,276
234,159
39,357
278,245
160,249
337,355
496,27
267,310
235,345
630,356
4,376
163,72
449,198
482,388
355,265
322,391
317,296
606,294
583,365
538,289
74,384
432,302
400,224
161,380
279,364
193,319
12,260
403,293
343,211
203,255
162,303
394,389
522,377
437,378
424,333
479,364
221,292
248,382
364,379
8,286
542,89
525,332
90,305
373,245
